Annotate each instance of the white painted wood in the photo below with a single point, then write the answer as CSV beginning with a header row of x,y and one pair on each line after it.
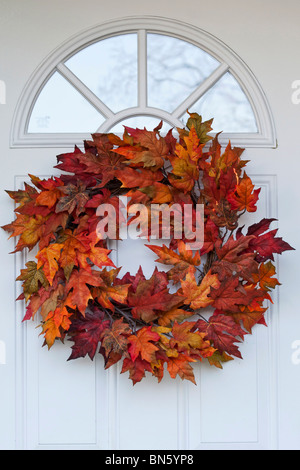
x,y
85,91
142,68
201,90
251,404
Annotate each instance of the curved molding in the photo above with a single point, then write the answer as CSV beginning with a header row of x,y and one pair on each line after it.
x,y
265,137
128,113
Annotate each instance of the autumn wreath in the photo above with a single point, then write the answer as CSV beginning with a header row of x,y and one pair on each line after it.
x,y
199,309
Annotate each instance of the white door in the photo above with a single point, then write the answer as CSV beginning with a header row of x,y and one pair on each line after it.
x,y
47,402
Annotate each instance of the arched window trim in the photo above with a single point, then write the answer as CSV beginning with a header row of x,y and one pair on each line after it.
x,y
229,61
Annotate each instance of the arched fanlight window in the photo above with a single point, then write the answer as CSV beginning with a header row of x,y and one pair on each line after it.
x,y
137,72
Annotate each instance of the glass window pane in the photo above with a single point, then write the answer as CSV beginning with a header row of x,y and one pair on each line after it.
x,y
139,122
228,105
109,69
175,69
61,108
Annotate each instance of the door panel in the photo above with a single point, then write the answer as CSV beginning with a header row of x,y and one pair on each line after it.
x,y
78,404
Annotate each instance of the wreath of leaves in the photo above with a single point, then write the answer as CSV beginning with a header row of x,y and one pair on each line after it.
x,y
75,288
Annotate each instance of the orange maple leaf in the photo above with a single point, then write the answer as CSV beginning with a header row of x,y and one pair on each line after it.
x,y
180,366
74,245
138,177
50,195
185,171
109,291
198,295
250,316
48,260
184,339
30,229
142,344
265,278
149,149
182,261
245,196
55,321
80,294
175,314
159,193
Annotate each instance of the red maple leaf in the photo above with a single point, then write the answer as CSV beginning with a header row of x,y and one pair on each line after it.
x,y
244,197
137,369
233,258
142,344
151,297
86,333
264,243
231,294
223,332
